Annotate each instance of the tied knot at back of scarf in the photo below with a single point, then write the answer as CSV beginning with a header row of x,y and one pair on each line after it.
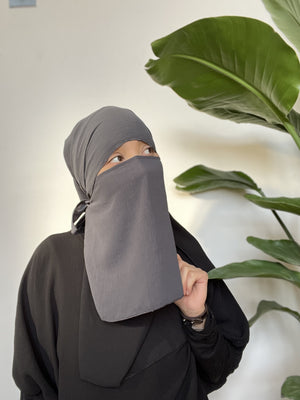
x,y
78,217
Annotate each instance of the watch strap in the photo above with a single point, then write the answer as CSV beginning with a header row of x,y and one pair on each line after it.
x,y
197,323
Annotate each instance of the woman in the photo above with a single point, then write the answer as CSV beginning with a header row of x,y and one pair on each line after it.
x,y
120,307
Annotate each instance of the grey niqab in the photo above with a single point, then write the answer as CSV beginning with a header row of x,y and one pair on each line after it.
x,y
129,247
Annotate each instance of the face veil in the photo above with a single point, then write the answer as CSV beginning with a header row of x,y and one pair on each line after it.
x,y
129,247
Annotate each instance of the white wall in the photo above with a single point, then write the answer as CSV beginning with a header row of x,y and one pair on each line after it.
x,y
66,58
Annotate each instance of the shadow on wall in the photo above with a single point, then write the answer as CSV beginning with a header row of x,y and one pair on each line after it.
x,y
236,149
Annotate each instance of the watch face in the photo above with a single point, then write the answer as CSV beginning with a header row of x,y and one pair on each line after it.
x,y
198,325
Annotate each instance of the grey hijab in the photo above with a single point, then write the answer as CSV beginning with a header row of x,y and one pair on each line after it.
x,y
129,247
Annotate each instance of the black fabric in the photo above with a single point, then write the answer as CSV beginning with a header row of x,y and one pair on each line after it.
x,y
63,350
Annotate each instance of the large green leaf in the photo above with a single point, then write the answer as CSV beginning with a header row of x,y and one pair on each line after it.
x,y
255,268
201,178
266,305
291,388
294,118
288,204
223,67
284,250
286,15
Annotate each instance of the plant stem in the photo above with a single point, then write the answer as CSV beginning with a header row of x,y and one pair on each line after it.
x,y
291,129
282,224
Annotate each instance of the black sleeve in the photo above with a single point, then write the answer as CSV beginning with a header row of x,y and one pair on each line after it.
x,y
36,397
218,348
35,360
216,357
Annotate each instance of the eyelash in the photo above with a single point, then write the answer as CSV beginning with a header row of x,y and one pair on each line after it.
x,y
148,148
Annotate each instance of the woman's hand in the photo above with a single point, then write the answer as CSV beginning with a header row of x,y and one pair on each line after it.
x,y
194,282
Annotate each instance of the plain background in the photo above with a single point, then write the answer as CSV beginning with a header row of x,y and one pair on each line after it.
x,y
64,59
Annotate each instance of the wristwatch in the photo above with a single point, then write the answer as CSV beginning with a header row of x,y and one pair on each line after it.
x,y
197,323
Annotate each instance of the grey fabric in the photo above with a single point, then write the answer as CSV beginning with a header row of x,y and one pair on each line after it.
x,y
129,247
94,138
133,238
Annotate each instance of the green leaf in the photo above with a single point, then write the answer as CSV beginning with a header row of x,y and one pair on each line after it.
x,y
294,118
241,117
255,268
286,15
266,306
222,67
284,250
201,178
291,388
288,204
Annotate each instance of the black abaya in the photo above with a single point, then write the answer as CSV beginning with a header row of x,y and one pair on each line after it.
x,y
63,350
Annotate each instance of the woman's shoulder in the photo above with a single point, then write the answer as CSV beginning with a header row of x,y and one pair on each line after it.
x,y
56,252
60,241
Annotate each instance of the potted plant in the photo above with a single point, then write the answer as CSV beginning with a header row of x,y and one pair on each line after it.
x,y
240,69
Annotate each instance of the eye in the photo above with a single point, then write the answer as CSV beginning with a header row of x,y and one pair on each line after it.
x,y
149,150
116,159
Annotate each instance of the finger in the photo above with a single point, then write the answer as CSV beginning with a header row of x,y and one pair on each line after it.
x,y
195,276
179,259
180,262
191,279
184,270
